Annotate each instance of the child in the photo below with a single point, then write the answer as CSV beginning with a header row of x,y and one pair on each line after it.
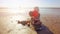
x,y
35,18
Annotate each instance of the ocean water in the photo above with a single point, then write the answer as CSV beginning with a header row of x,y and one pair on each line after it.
x,y
25,11
52,11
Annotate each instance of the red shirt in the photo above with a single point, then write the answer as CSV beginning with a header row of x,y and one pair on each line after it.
x,y
35,13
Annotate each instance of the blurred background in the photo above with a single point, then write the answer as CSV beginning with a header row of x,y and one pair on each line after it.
x,y
13,10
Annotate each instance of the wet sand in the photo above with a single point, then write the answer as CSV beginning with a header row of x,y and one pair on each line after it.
x,y
52,22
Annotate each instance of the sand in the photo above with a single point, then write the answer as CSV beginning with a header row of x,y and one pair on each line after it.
x,y
52,22
9,25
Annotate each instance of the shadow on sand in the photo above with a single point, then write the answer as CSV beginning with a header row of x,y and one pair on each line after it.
x,y
44,30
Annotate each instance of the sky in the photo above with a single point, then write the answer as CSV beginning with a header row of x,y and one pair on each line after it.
x,y
16,5
30,3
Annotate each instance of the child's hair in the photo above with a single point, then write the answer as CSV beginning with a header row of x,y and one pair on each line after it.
x,y
37,8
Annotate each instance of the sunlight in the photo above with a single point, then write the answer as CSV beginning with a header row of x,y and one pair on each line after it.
x,y
9,10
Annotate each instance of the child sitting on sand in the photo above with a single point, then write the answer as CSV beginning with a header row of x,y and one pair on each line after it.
x,y
35,19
